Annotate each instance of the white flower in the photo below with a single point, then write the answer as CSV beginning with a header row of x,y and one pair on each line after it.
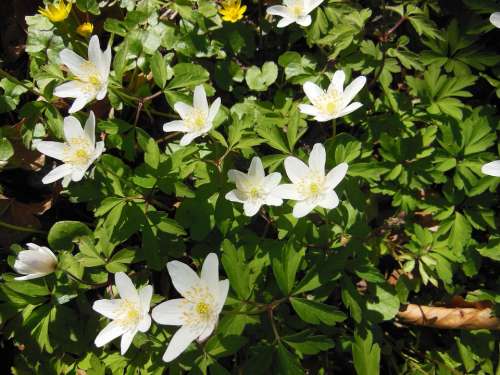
x,y
130,313
35,262
91,76
294,11
310,187
78,152
335,101
254,188
492,168
198,312
196,120
495,19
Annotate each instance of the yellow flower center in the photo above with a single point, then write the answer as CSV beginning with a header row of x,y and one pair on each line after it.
x,y
314,188
95,80
254,193
131,314
328,103
297,10
78,151
197,120
202,308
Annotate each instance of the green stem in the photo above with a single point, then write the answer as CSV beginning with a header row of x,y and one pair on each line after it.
x,y
72,276
20,229
334,128
10,77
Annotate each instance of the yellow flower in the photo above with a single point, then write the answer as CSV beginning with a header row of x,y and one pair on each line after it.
x,y
56,13
232,10
85,29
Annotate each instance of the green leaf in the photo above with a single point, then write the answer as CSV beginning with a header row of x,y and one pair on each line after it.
x,y
316,313
63,233
287,362
187,75
236,269
259,79
159,69
6,149
365,354
306,342
285,262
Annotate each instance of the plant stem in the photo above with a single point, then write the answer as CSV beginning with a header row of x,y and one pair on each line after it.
x,y
20,229
334,128
10,77
71,275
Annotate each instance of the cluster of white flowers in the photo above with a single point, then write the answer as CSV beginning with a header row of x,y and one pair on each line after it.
x,y
197,312
310,186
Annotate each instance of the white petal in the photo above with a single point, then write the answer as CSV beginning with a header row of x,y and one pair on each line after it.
x,y
180,341
72,128
102,92
311,5
184,110
273,200
30,276
53,149
183,277
106,63
492,168
296,169
285,21
48,252
145,323
126,288
145,295
127,339
271,181
287,191
350,108
337,83
223,291
74,62
251,207
323,118
80,102
90,128
233,196
78,173
277,10
110,308
57,173
312,91
209,328
109,333
352,90
95,53
302,208
188,138
336,175
175,126
256,169
329,200
309,110
317,158
304,21
99,149
171,312
214,109
71,89
200,99
495,19
210,272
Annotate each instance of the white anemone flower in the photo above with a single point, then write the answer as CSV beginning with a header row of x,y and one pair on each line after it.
x,y
198,312
77,153
294,11
90,76
495,19
334,102
130,313
254,188
196,120
37,261
491,168
310,186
